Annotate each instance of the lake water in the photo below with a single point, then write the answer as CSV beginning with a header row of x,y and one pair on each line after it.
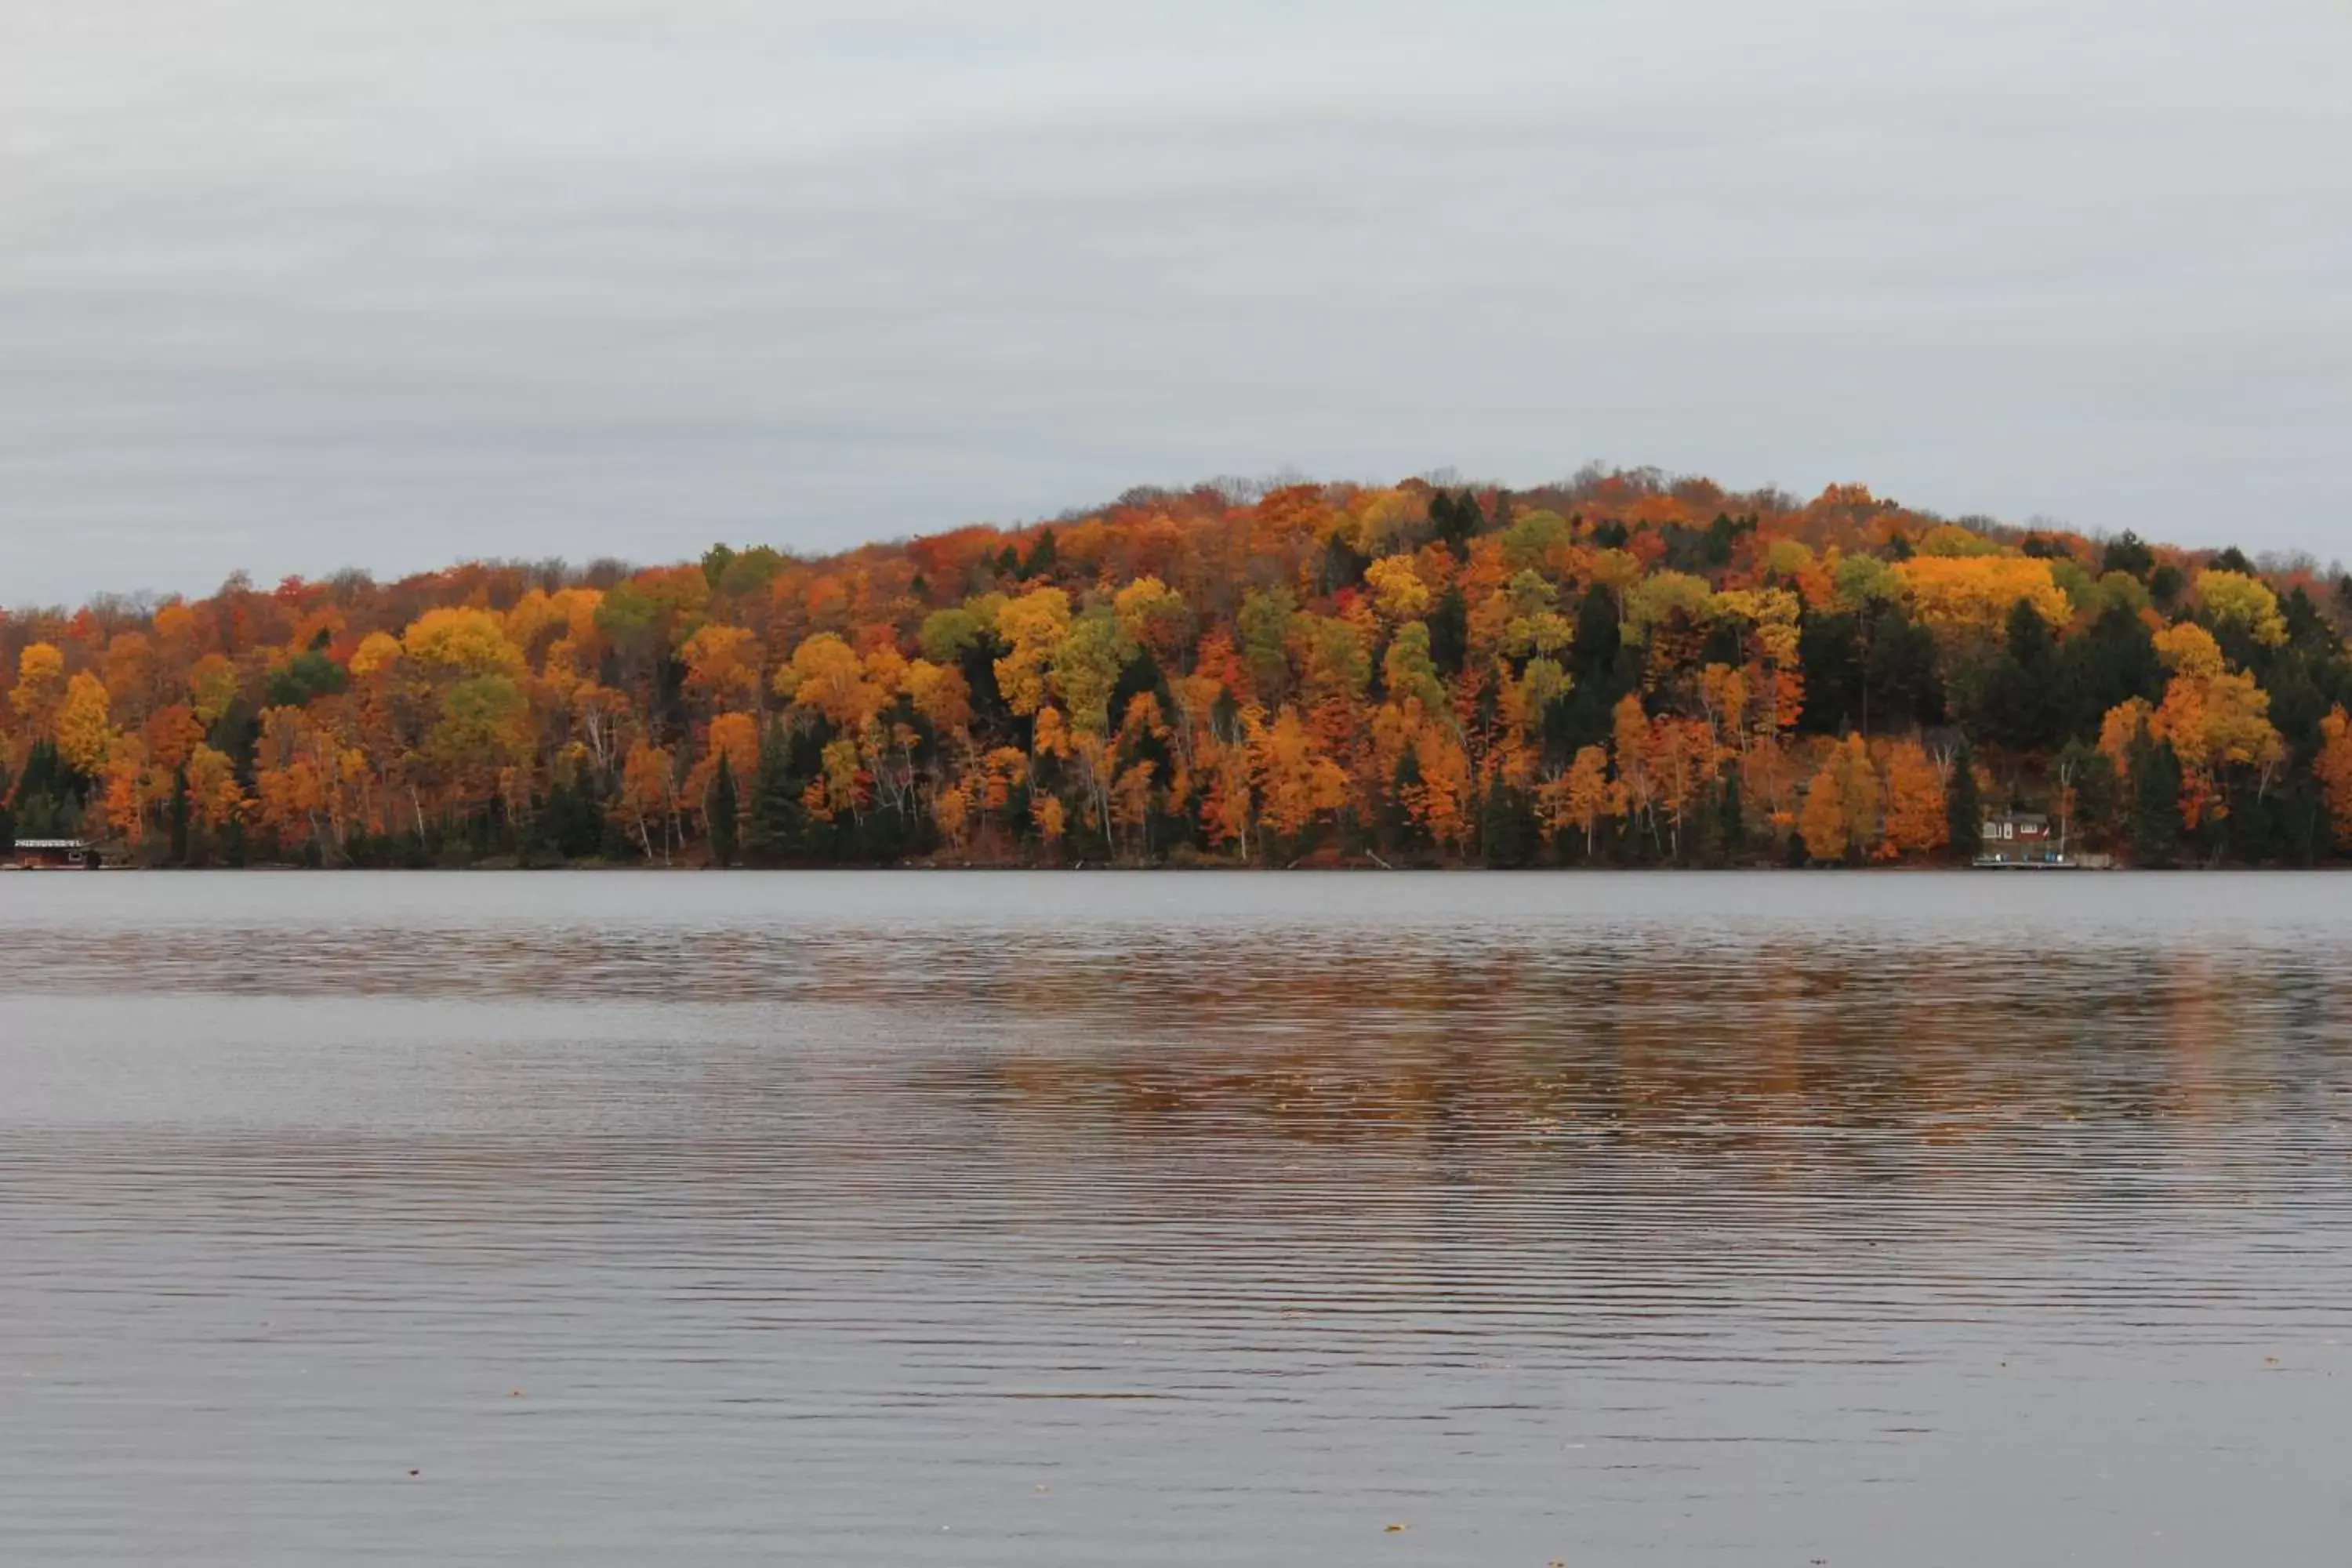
x,y
1176,1218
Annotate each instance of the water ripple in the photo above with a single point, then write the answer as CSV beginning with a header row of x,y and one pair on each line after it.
x,y
1174,1219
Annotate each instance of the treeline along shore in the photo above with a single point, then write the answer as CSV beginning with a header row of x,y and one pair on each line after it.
x,y
1620,669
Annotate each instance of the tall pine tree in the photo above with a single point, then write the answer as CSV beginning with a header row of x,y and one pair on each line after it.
x,y
180,815
2153,779
1508,834
1963,812
724,804
776,814
1730,819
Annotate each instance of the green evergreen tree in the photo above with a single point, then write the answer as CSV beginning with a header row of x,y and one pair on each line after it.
x,y
50,795
1963,812
1454,521
723,807
1506,828
1900,683
2256,830
310,674
1399,834
2092,776
1043,556
2023,708
2153,779
776,815
179,814
2127,553
1730,819
1449,631
574,816
2108,662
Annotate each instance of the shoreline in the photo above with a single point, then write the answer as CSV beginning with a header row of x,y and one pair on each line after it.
x,y
590,867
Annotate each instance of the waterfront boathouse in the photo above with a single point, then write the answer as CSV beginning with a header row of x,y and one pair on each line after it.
x,y
49,853
2019,838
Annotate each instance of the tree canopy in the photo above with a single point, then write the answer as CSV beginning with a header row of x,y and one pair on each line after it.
x,y
1620,669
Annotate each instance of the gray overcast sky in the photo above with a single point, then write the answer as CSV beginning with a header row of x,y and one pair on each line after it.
x,y
288,285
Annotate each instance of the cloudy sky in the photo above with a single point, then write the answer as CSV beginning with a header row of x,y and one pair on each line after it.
x,y
288,285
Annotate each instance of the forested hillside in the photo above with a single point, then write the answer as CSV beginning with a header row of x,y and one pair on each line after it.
x,y
1618,670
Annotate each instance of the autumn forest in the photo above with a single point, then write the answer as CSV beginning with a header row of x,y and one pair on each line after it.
x,y
1621,670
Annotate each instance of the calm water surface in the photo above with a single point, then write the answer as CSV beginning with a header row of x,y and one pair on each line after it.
x,y
996,1219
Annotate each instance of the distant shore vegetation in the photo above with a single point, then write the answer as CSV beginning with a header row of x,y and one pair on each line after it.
x,y
1620,669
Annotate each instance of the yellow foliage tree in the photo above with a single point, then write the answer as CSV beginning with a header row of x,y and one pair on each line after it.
x,y
462,640
1658,598
649,796
722,666
377,651
952,812
1409,671
844,779
1583,797
1949,539
1629,742
736,737
85,737
1084,666
1398,591
1052,819
1155,615
2189,650
2234,599
2216,724
2217,720
1840,811
40,687
1297,784
1822,821
942,697
1032,627
212,686
826,676
1439,803
1973,594
1130,798
2120,725
215,799
1683,761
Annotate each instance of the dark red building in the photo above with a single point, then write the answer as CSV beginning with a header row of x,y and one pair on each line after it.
x,y
51,855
